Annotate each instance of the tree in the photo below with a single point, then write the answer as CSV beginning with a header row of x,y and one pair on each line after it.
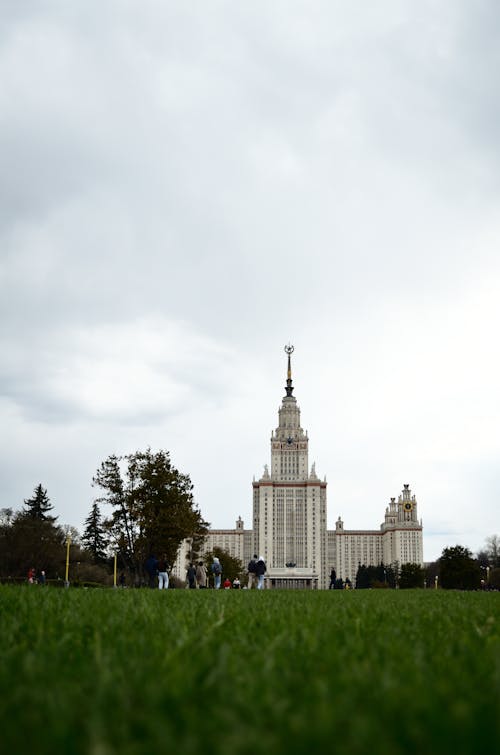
x,y
493,550
39,505
31,542
231,567
412,575
94,538
459,571
153,508
376,576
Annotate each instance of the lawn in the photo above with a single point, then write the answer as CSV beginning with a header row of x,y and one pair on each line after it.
x,y
139,671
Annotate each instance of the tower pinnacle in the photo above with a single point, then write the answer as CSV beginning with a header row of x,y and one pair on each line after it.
x,y
289,387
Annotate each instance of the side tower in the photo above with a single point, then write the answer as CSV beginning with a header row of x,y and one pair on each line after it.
x,y
289,504
402,531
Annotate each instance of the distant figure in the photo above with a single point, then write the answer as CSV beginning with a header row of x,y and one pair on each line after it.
x,y
217,572
260,570
163,573
151,567
227,584
236,584
191,577
31,575
252,577
121,579
333,577
41,578
201,575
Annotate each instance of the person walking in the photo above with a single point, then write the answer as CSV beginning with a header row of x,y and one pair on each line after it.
x,y
191,577
217,572
163,573
252,577
151,567
201,575
260,570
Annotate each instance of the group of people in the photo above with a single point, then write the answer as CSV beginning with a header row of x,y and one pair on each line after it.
x,y
256,572
197,575
33,579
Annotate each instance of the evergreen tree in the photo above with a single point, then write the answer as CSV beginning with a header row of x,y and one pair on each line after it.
x,y
459,571
412,575
39,505
94,537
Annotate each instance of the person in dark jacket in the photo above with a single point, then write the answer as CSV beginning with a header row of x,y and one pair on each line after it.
x,y
260,570
333,577
252,578
151,567
191,576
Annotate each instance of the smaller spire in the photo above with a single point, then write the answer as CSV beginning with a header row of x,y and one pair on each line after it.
x,y
289,387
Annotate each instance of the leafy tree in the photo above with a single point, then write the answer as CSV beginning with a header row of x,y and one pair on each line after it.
x,y
38,506
493,550
376,576
459,571
95,538
412,575
495,579
6,517
231,567
153,508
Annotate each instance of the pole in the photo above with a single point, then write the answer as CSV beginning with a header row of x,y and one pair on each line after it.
x,y
114,573
68,543
435,583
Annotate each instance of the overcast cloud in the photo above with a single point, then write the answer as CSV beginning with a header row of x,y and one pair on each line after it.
x,y
185,187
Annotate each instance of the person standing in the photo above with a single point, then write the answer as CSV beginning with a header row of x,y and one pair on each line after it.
x,y
41,578
201,575
252,577
260,570
217,572
333,577
163,573
191,577
151,567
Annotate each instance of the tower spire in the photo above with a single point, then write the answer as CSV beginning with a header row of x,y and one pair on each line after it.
x,y
289,387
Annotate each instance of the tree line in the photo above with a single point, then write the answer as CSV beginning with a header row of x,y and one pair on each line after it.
x,y
456,569
148,507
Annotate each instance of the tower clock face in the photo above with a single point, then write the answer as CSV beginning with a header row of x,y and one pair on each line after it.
x,y
408,506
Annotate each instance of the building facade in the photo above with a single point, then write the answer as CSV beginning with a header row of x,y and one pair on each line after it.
x,y
290,518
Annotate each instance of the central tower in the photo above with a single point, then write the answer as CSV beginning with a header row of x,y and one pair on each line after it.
x,y
289,505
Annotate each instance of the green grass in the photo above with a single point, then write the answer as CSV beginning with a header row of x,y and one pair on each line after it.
x,y
138,671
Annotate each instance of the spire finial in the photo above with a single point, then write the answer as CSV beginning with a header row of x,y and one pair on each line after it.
x,y
289,388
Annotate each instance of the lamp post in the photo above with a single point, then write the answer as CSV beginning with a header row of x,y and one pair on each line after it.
x,y
114,572
487,575
68,543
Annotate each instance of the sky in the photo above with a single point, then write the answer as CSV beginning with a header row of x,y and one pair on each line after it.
x,y
186,187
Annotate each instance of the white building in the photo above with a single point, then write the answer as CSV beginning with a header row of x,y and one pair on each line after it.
x,y
290,524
